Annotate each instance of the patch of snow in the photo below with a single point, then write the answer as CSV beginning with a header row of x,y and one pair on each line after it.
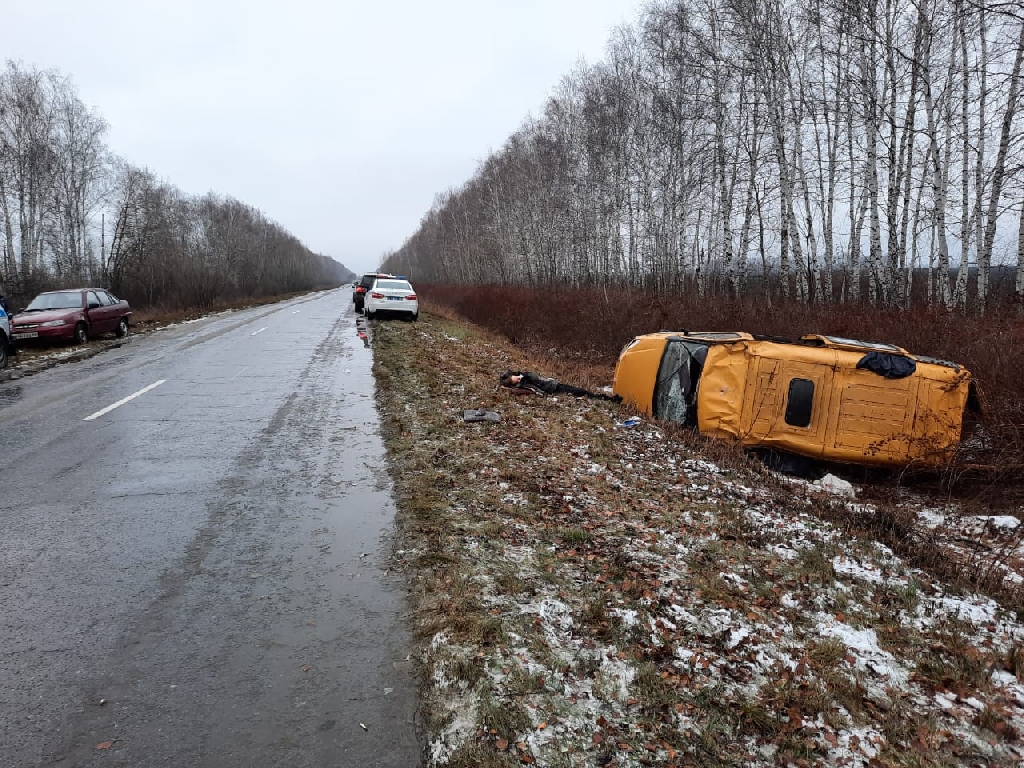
x,y
737,636
863,643
856,569
784,552
629,617
455,734
619,674
974,703
836,485
976,609
930,518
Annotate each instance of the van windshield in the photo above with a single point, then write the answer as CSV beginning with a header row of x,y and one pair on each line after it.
x,y
675,392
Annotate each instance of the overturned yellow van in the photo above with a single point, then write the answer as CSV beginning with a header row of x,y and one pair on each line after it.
x,y
824,397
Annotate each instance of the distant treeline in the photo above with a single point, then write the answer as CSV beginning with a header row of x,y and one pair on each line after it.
x,y
834,152
73,213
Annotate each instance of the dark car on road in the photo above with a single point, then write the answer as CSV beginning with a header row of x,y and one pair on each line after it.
x,y
365,283
71,315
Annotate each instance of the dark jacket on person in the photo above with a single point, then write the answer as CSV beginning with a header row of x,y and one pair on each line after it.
x,y
530,381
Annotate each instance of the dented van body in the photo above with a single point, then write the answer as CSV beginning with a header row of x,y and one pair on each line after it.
x,y
824,397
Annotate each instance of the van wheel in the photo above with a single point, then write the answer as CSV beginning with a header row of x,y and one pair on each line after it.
x,y
81,334
3,353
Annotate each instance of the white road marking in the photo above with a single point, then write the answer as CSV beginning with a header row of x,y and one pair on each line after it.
x,y
295,312
122,401
261,330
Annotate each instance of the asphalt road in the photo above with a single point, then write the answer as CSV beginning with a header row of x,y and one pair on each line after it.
x,y
198,577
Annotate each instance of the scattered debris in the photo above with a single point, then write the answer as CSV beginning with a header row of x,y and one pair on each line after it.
x,y
477,414
836,485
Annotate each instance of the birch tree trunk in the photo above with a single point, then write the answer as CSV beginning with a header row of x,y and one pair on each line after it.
x,y
1019,286
941,274
998,173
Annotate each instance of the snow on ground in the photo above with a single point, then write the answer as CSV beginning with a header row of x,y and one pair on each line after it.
x,y
737,647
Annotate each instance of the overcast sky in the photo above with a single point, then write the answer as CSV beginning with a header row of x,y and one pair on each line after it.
x,y
339,120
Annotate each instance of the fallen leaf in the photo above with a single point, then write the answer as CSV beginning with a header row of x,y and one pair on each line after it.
x,y
501,745
542,726
597,738
105,745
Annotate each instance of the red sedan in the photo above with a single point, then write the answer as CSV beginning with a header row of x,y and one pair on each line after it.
x,y
71,315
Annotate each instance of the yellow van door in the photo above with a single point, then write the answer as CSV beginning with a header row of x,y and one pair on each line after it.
x,y
788,404
874,417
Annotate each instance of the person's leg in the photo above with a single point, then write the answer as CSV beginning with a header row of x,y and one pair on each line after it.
x,y
569,389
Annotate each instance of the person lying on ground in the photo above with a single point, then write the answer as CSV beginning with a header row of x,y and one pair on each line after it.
x,y
523,382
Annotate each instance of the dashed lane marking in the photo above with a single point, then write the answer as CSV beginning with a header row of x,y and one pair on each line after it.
x,y
124,400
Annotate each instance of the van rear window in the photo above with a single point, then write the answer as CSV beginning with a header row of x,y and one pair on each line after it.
x,y
799,402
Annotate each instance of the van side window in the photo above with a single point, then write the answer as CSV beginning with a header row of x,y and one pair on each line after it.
x,y
799,402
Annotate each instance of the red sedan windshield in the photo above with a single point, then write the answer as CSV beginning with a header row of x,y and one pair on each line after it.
x,y
61,300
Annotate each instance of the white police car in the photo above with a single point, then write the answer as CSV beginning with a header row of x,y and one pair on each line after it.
x,y
5,337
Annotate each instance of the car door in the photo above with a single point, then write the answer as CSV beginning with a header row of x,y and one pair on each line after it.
x,y
99,315
111,308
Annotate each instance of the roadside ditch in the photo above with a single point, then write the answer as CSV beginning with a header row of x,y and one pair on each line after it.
x,y
587,593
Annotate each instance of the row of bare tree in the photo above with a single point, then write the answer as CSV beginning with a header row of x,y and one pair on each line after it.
x,y
73,213
822,150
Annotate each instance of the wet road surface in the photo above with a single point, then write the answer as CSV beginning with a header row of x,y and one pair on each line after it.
x,y
209,558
